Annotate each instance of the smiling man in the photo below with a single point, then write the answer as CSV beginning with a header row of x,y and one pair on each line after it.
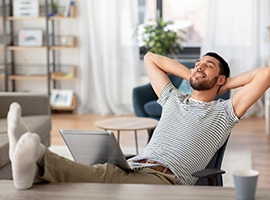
x,y
190,130
210,60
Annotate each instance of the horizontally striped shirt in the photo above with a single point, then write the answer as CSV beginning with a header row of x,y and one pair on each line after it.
x,y
189,133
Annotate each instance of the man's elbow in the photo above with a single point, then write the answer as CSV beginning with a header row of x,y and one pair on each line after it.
x,y
147,56
265,75
267,71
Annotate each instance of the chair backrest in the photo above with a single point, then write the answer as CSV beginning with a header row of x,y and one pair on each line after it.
x,y
215,163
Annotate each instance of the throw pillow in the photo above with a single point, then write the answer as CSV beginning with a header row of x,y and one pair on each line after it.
x,y
185,87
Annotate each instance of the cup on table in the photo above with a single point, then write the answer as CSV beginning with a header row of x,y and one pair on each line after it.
x,y
245,182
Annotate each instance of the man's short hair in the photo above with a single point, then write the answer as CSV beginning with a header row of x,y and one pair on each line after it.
x,y
224,67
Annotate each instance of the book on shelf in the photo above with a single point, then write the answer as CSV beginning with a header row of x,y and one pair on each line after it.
x,y
69,8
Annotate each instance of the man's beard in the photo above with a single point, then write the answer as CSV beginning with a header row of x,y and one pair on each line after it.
x,y
203,85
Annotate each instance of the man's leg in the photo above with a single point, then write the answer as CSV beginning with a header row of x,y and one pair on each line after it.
x,y
30,159
16,127
60,169
28,151
24,150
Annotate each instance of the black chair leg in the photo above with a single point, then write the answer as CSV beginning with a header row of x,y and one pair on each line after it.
x,y
150,133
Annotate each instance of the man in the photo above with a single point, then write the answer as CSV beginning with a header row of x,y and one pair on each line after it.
x,y
190,130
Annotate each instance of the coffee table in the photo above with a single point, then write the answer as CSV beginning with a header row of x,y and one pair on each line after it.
x,y
128,124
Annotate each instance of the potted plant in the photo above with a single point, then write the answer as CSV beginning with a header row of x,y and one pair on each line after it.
x,y
160,37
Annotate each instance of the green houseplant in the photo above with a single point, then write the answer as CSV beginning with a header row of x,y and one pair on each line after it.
x,y
161,37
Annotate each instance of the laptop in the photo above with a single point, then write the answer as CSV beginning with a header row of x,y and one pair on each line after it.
x,y
93,147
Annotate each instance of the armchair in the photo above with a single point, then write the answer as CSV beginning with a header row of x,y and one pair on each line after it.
x,y
144,97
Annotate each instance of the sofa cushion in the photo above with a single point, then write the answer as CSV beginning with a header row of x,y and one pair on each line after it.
x,y
5,172
40,124
3,126
4,159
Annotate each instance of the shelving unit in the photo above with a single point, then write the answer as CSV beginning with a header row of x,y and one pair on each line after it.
x,y
52,45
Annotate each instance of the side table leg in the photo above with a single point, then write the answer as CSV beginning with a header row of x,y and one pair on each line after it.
x,y
136,142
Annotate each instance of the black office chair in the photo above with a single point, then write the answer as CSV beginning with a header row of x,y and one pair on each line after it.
x,y
212,174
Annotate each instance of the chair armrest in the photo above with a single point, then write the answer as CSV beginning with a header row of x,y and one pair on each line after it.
x,y
210,174
31,103
140,96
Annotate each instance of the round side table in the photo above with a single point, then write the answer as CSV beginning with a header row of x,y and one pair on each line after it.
x,y
127,124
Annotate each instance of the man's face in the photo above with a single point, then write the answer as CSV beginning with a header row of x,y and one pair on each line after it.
x,y
205,74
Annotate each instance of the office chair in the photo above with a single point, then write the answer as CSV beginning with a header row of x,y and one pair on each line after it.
x,y
212,174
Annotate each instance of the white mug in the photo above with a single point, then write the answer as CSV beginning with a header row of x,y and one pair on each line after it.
x,y
245,182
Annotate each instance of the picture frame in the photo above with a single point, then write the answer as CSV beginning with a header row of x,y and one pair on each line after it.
x,y
25,8
61,98
30,37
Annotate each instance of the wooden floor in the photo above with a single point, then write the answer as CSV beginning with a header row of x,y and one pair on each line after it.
x,y
248,134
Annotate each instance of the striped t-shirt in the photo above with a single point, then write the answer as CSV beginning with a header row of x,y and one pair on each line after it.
x,y
189,133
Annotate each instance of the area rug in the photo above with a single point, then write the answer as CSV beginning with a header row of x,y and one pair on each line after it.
x,y
233,160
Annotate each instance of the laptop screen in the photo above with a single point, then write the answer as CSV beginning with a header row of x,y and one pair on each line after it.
x,y
93,147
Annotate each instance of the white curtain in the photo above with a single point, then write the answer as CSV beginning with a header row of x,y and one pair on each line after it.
x,y
236,29
109,56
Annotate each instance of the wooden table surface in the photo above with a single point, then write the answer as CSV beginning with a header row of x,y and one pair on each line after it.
x,y
68,191
127,123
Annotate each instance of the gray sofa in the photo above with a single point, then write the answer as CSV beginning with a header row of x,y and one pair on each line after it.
x,y
36,115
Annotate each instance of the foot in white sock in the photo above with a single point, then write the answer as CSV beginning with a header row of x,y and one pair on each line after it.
x,y
16,127
27,152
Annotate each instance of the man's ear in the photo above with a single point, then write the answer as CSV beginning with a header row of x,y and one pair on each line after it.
x,y
222,80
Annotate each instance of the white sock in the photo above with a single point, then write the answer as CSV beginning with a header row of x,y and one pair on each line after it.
x,y
27,152
16,126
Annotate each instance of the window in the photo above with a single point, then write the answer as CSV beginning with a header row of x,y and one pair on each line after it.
x,y
190,15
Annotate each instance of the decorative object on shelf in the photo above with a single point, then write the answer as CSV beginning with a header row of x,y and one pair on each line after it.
x,y
64,41
25,8
161,37
61,98
64,75
30,37
54,9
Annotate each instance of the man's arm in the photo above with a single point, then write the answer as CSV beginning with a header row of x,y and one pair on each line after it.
x,y
158,67
254,82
